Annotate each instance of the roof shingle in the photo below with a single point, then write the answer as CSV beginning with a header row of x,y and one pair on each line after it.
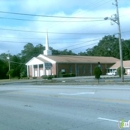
x,y
82,59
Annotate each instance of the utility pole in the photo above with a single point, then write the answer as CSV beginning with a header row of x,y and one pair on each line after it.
x,y
116,20
120,43
8,58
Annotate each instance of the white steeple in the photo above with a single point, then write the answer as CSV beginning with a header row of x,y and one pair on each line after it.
x,y
47,52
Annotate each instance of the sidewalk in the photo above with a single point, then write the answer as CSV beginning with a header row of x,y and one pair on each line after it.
x,y
70,80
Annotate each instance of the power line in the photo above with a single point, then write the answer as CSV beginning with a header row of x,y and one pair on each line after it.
x,y
84,46
51,42
97,4
50,32
29,20
56,39
80,43
5,12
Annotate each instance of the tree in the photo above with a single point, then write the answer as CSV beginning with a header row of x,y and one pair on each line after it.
x,y
108,46
55,52
67,52
3,69
97,72
10,72
126,49
15,61
119,71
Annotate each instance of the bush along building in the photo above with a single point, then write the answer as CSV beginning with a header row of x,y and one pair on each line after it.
x,y
66,65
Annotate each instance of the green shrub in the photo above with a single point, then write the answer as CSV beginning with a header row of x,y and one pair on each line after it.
x,y
15,78
24,78
67,75
44,76
34,77
61,74
72,75
47,77
97,72
54,76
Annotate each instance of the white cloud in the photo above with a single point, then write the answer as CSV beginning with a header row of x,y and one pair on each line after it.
x,y
60,41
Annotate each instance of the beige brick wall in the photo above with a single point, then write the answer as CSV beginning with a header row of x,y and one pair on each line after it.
x,y
81,69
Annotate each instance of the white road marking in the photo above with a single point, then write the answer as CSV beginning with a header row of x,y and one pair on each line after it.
x,y
106,119
81,93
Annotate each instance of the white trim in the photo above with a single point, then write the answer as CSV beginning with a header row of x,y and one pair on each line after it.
x,y
106,119
46,58
34,61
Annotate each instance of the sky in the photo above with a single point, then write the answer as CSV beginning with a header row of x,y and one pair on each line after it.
x,y
73,25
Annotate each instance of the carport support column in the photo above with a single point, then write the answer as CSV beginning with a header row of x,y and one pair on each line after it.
x,y
44,69
91,69
27,71
38,74
32,71
75,69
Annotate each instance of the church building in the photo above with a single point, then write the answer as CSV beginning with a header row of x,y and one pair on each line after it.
x,y
48,64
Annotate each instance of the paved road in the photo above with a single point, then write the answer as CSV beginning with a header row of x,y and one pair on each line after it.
x,y
32,107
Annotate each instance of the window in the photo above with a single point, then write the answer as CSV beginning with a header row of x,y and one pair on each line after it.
x,y
70,69
83,69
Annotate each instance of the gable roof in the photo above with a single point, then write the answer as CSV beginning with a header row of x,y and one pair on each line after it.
x,y
82,59
126,64
36,60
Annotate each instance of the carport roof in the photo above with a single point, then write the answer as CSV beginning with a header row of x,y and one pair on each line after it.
x,y
126,64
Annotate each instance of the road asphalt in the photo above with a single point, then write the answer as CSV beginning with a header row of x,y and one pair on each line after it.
x,y
63,107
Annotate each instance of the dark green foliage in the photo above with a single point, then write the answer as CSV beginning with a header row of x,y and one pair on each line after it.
x,y
64,52
34,77
3,69
15,65
54,76
49,77
44,76
63,74
97,72
109,46
72,75
10,72
119,71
